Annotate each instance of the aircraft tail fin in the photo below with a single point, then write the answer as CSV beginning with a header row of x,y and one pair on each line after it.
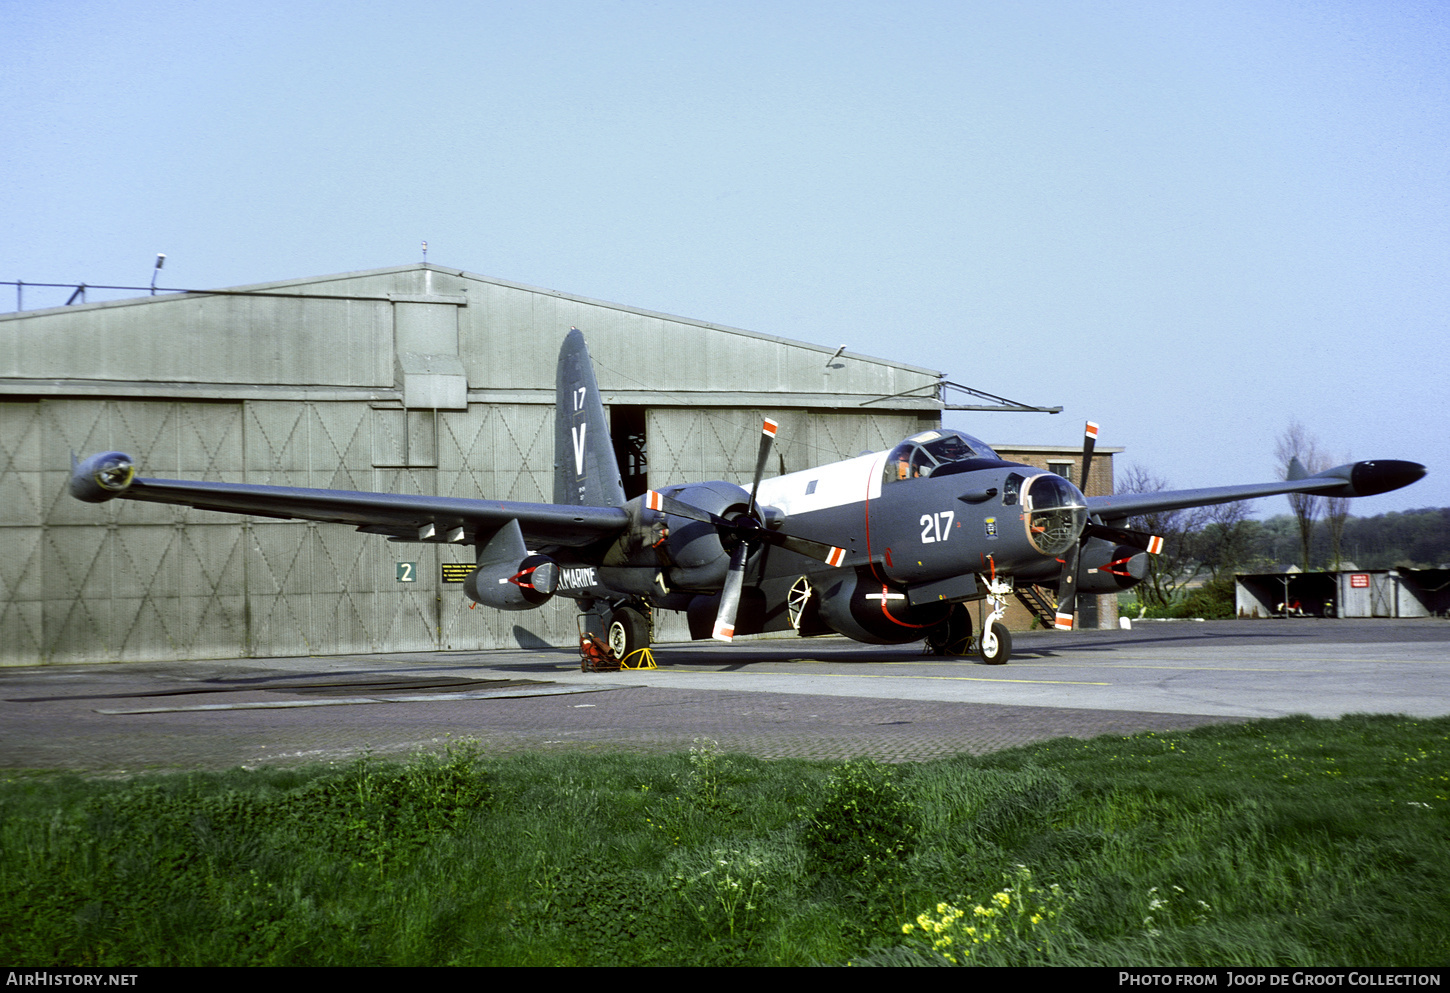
x,y
586,472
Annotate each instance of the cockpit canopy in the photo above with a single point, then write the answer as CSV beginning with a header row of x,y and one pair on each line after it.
x,y
936,453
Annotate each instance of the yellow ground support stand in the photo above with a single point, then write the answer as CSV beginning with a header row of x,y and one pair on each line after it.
x,y
646,659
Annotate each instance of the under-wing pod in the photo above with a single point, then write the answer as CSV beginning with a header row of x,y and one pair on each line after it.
x,y
1371,478
508,577
1111,568
102,477
521,585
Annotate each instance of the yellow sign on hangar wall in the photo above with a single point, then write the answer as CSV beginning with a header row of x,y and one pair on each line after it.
x,y
456,572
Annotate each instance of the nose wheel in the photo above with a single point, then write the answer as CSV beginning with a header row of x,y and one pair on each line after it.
x,y
996,646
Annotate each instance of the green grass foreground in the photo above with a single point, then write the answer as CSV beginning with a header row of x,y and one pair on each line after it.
x,y
1287,842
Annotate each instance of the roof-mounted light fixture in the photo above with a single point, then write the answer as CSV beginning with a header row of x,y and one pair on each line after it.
x,y
160,261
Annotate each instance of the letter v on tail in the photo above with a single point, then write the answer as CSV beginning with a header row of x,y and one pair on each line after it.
x,y
578,437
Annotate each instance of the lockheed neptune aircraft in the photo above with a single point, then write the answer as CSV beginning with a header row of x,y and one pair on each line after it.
x,y
885,548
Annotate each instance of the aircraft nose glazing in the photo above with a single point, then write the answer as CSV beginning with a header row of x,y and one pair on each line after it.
x,y
1056,513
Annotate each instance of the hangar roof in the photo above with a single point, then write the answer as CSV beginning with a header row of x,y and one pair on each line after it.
x,y
436,332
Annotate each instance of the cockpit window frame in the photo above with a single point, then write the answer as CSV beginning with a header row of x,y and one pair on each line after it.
x,y
914,458
1012,488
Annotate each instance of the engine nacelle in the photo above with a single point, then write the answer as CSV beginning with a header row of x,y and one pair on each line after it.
x,y
863,608
103,477
521,585
698,558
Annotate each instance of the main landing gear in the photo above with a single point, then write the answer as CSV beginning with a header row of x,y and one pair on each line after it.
x,y
954,636
626,631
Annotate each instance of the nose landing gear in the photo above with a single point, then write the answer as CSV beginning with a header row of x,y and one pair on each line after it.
x,y
996,642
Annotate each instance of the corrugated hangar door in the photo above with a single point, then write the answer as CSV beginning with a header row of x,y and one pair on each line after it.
x,y
1382,594
128,581
501,452
326,589
136,581
23,504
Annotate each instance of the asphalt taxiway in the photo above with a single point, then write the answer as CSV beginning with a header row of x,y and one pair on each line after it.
x,y
821,698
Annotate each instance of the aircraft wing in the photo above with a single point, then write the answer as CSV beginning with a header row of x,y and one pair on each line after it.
x,y
404,517
1354,480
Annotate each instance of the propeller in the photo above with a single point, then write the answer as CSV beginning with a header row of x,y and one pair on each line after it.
x,y
735,578
1067,581
748,533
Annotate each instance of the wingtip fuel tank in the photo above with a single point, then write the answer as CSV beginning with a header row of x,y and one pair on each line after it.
x,y
101,477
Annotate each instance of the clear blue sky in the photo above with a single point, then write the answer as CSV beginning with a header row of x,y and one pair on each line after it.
x,y
1191,222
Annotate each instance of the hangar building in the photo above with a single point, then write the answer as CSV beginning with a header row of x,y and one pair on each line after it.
x,y
417,379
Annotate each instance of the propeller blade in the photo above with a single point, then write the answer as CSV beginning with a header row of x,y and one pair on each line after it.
x,y
1067,590
730,595
1066,616
1090,439
655,500
1151,543
767,439
832,555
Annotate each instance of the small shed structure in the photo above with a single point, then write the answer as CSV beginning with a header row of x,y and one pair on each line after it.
x,y
1350,593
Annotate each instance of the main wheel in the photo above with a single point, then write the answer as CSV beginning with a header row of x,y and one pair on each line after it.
x,y
628,632
996,645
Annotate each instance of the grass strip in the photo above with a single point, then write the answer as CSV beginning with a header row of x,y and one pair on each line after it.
x,y
1291,842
